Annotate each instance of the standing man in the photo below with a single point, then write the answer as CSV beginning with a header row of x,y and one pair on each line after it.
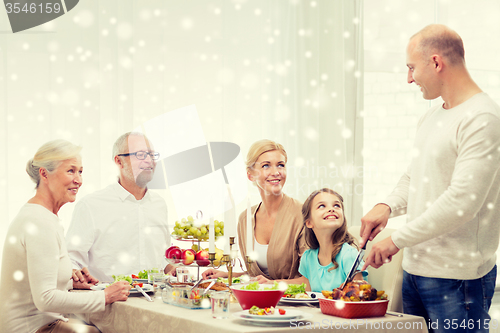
x,y
121,229
450,192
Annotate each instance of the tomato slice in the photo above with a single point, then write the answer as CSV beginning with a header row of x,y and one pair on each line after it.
x,y
140,284
282,311
134,276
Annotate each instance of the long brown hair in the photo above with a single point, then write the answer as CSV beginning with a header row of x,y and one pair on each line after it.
x,y
339,237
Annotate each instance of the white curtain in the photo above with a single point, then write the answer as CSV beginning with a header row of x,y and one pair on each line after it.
x,y
290,71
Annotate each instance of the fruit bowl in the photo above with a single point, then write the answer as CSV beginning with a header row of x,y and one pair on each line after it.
x,y
343,309
178,262
260,298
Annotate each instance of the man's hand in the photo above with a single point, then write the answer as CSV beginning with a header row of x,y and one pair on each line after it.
x,y
374,222
82,279
381,253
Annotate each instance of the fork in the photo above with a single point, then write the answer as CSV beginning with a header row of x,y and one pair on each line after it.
x,y
144,293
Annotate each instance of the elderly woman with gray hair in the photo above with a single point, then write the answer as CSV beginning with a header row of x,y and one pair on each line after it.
x,y
36,269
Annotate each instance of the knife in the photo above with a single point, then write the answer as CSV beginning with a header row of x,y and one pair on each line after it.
x,y
144,293
354,268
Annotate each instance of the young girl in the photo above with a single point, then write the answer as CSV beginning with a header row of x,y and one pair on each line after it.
x,y
332,250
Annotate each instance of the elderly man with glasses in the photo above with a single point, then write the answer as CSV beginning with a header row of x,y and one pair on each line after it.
x,y
121,229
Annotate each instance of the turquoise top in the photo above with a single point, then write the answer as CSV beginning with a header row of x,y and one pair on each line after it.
x,y
318,275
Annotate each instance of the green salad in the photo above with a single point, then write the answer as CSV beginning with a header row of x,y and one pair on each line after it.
x,y
255,286
122,278
294,289
226,281
143,274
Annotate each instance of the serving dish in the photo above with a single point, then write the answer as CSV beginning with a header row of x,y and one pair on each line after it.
x,y
344,309
290,314
186,297
270,320
303,300
146,287
260,298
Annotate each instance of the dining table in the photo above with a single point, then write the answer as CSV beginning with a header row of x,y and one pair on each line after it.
x,y
136,315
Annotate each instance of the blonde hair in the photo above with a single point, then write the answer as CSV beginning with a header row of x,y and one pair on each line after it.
x,y
260,147
49,156
339,237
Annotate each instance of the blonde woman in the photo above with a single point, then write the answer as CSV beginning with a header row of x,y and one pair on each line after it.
x,y
36,269
276,221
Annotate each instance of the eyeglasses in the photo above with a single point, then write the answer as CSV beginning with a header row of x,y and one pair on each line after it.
x,y
141,155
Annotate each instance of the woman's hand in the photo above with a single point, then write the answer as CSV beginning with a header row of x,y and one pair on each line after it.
x,y
118,291
262,279
82,279
213,274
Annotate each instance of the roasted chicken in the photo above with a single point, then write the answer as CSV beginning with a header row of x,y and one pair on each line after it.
x,y
356,291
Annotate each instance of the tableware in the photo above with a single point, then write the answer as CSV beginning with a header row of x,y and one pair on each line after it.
x,y
268,321
303,300
261,298
209,286
182,274
354,267
183,296
353,309
140,280
289,314
145,287
154,275
144,293
196,284
158,282
220,304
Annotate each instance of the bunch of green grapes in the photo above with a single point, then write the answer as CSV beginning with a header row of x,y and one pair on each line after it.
x,y
186,229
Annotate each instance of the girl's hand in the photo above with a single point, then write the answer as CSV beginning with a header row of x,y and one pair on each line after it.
x,y
118,291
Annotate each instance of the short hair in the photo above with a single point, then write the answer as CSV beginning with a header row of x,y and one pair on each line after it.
x,y
121,144
49,156
437,38
260,147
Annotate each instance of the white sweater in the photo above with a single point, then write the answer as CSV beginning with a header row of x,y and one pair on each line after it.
x,y
451,193
36,274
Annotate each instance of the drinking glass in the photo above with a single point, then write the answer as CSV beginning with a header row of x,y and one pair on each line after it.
x,y
182,274
220,304
156,280
151,272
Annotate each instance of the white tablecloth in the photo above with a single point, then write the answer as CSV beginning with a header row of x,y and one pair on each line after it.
x,y
137,315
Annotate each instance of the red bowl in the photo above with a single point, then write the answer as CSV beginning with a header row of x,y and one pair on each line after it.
x,y
260,298
353,309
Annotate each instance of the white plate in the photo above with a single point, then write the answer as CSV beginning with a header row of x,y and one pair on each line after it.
x,y
303,300
244,315
146,287
290,314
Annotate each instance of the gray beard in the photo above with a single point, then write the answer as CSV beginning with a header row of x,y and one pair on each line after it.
x,y
143,179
